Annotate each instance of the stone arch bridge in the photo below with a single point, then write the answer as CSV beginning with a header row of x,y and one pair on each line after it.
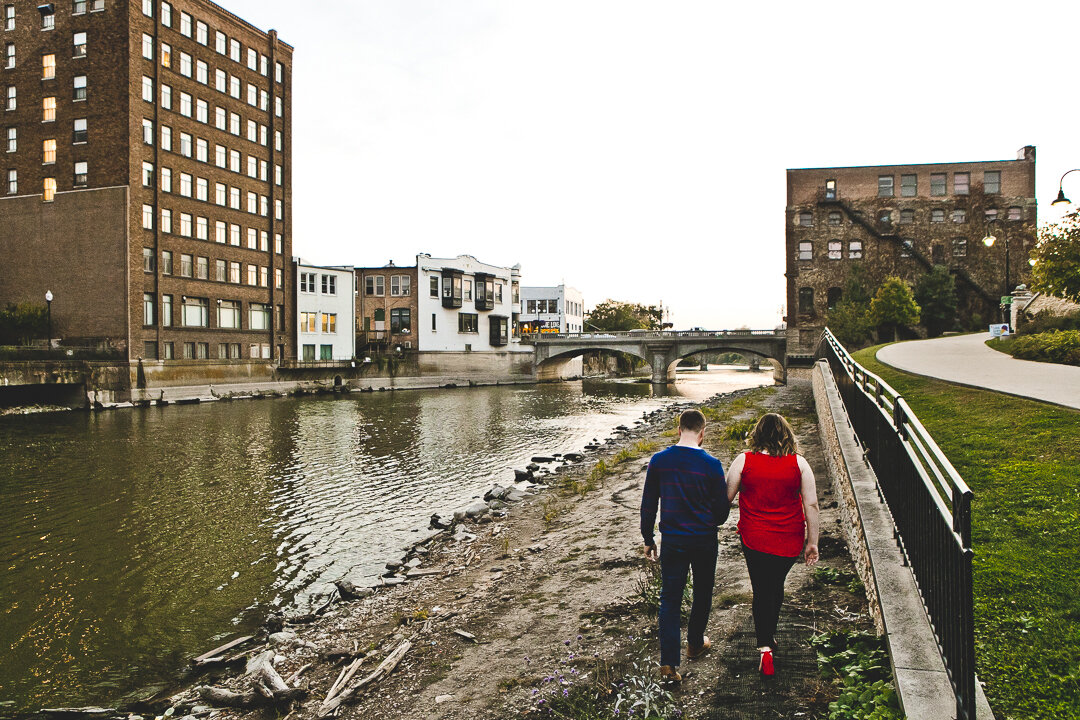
x,y
661,349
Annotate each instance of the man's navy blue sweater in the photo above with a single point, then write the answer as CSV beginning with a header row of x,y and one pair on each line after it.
x,y
689,485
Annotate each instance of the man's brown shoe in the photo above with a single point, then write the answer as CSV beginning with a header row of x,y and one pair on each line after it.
x,y
693,652
669,674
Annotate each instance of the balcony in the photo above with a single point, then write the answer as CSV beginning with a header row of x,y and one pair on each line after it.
x,y
485,291
451,288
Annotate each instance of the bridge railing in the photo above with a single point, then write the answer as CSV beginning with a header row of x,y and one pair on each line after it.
x,y
645,334
930,505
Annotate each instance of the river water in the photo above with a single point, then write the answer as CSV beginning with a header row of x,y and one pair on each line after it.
x,y
131,541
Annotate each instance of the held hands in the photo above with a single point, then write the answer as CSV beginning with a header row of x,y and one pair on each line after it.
x,y
811,554
651,553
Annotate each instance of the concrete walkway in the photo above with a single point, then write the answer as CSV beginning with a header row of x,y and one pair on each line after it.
x,y
967,360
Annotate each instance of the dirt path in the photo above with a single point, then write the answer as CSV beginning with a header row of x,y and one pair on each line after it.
x,y
555,595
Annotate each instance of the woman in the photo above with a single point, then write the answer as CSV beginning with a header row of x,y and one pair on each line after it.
x,y
778,511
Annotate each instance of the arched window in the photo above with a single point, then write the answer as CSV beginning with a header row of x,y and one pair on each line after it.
x,y
835,295
806,301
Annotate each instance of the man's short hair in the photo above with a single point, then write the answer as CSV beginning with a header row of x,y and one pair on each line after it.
x,y
692,421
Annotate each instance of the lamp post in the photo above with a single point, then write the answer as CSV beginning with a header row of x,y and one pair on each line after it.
x,y
1061,192
48,304
989,241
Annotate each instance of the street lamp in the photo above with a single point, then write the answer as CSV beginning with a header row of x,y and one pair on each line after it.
x,y
48,303
1061,192
989,241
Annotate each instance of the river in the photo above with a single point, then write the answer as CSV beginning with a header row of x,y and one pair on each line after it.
x,y
132,540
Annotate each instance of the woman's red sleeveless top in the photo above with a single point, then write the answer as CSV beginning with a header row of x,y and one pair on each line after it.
x,y
770,504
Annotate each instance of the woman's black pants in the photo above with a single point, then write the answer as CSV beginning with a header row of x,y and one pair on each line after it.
x,y
767,575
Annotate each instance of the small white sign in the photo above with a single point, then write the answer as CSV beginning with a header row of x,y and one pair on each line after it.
x,y
1000,330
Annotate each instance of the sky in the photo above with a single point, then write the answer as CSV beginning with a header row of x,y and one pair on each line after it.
x,y
636,150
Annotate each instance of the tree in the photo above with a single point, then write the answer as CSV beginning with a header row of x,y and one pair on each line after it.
x,y
850,320
19,324
935,294
613,315
1057,259
893,306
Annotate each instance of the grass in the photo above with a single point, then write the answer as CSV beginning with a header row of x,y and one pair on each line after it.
x,y
1022,460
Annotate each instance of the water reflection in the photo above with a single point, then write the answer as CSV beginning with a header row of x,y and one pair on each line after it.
x,y
130,541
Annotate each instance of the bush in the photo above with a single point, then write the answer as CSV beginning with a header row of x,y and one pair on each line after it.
x,y
1056,346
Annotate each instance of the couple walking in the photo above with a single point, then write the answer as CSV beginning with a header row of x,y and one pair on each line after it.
x,y
778,511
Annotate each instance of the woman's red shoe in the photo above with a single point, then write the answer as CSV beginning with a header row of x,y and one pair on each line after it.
x,y
766,664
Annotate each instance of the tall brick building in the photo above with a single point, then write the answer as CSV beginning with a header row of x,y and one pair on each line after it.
x,y
902,220
147,176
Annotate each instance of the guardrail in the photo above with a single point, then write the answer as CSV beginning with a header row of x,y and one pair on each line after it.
x,y
931,508
638,334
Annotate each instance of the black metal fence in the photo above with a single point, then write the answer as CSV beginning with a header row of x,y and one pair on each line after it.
x,y
930,505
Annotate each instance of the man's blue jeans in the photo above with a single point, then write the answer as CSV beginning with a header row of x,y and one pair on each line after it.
x,y
677,556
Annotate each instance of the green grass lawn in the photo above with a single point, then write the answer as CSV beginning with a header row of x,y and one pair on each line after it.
x,y
1022,461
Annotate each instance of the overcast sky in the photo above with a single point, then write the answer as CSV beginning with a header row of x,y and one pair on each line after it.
x,y
636,150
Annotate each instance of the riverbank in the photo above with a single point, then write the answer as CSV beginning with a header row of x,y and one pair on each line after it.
x,y
556,596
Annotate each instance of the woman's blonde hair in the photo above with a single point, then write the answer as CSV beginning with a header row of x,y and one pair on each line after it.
x,y
773,435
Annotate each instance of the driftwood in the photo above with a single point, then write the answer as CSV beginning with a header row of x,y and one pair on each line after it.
x,y
467,635
385,668
215,654
342,680
227,698
269,682
296,675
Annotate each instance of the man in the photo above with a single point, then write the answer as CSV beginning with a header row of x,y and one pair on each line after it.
x,y
689,485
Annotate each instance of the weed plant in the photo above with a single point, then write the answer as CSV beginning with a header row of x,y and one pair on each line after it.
x,y
647,590
859,661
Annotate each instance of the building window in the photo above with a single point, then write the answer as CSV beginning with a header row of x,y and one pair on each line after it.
x,y
149,305
835,218
9,17
185,104
806,300
229,314
48,152
202,33
806,251
252,275
166,262
48,17
187,266
49,189
907,217
830,189
196,312
185,144
185,64
279,278
147,174
836,250
885,185
468,323
9,56
234,236
166,312
166,97
400,321
375,285
147,47
259,316
234,273
992,182
202,268
12,182
148,260
78,131
906,248
81,174
991,214
48,66
48,109
166,220
400,286
202,189
148,89
329,285
78,88
9,103
329,323
234,49
1016,213
909,185
959,247
308,322
466,290
12,139
854,250
221,271
834,297
959,216
885,217
433,287
937,184
937,215
264,276
185,24
806,219
961,183
219,42
307,282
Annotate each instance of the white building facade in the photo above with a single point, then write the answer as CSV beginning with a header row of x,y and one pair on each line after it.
x,y
325,312
464,305
558,309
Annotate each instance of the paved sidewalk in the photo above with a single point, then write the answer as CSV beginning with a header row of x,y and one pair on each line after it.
x,y
966,359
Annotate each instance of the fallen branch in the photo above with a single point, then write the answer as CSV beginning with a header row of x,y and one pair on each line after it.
x,y
214,655
227,698
385,668
343,680
269,682
296,675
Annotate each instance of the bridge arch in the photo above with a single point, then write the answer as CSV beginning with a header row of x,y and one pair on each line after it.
x,y
552,366
779,370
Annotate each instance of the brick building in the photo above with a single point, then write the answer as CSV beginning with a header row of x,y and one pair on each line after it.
x,y
147,176
902,220
386,309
